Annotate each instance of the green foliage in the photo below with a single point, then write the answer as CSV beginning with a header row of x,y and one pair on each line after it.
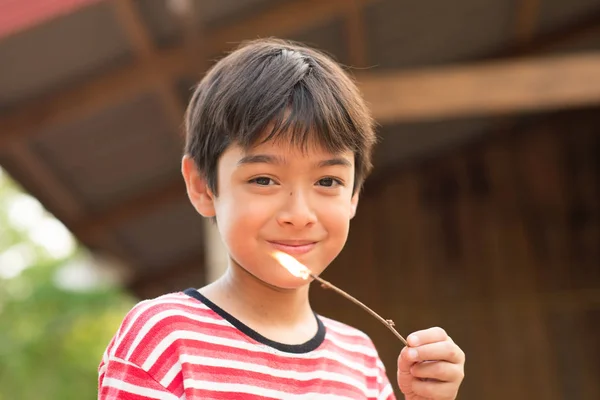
x,y
51,340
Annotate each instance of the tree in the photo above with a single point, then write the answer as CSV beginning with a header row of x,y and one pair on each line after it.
x,y
51,338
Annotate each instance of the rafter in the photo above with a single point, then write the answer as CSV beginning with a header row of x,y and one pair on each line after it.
x,y
136,207
114,87
588,26
281,20
129,18
410,95
485,89
59,197
526,17
123,83
356,38
194,34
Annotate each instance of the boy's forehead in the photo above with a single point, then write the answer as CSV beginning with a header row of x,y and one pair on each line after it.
x,y
291,151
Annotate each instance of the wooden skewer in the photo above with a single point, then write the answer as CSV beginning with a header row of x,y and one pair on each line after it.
x,y
387,322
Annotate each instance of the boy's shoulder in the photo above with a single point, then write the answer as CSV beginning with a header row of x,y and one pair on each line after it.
x,y
351,344
343,329
152,320
345,335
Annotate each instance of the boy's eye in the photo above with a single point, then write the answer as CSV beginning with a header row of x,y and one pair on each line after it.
x,y
263,181
329,182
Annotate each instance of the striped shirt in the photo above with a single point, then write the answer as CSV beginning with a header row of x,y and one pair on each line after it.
x,y
183,346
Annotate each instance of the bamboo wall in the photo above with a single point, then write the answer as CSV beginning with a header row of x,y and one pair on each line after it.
x,y
498,243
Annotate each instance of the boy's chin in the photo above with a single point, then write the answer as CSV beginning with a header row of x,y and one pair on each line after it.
x,y
286,284
282,281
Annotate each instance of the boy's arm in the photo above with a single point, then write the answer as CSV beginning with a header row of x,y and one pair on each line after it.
x,y
122,380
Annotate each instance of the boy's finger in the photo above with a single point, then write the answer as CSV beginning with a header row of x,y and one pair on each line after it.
x,y
440,351
405,361
440,370
434,390
430,335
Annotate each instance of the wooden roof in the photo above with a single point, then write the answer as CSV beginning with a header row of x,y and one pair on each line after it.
x,y
92,96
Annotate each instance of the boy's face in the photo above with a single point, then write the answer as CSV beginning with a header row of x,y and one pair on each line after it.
x,y
276,197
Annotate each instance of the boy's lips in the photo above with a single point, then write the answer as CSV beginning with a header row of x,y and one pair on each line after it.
x,y
293,246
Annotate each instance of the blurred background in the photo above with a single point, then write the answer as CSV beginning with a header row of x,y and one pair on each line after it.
x,y
482,215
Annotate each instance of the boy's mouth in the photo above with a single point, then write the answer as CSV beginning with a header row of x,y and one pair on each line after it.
x,y
293,246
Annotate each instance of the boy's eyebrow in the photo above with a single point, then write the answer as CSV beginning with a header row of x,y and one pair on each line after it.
x,y
334,161
260,159
270,159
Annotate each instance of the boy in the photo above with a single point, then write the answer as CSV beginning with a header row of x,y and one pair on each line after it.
x,y
278,145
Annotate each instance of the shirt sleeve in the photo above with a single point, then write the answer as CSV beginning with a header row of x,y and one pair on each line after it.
x,y
384,386
123,380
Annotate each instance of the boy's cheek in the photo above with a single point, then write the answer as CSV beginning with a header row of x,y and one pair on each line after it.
x,y
340,208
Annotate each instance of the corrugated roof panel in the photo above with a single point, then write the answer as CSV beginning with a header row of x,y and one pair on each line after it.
x,y
18,15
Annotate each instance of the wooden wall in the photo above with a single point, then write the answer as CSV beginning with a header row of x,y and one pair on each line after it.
x,y
497,242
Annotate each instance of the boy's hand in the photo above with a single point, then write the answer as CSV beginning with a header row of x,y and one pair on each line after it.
x,y
432,367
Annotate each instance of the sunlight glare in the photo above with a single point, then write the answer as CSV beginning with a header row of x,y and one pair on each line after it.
x,y
14,260
24,211
54,237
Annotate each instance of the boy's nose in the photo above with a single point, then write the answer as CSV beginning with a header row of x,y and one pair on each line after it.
x,y
297,211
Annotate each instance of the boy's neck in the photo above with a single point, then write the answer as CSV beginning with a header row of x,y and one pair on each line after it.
x,y
283,315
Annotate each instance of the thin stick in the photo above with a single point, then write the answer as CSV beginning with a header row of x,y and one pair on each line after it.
x,y
387,322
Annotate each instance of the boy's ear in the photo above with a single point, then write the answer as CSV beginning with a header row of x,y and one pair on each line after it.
x,y
353,204
197,188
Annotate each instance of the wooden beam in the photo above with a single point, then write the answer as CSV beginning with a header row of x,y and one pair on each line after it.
x,y
57,196
130,21
485,89
421,95
493,88
126,82
356,37
114,87
282,20
526,17
128,16
134,208
194,34
588,26
123,83
35,177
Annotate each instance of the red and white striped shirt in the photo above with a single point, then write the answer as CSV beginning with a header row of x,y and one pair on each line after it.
x,y
183,346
